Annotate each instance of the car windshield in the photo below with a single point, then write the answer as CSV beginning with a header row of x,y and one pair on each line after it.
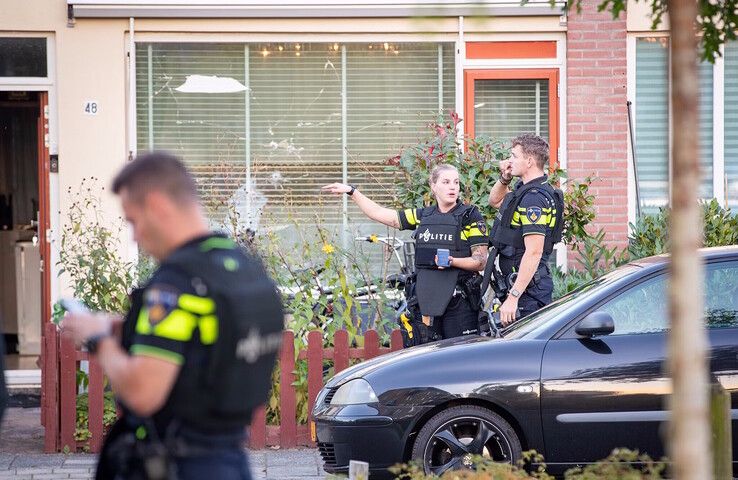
x,y
542,316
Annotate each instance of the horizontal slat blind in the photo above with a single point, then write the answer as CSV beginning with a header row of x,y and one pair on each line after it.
x,y
731,123
652,121
705,112
205,129
292,118
504,109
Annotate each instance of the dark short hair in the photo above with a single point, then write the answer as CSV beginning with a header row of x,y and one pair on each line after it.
x,y
157,171
534,145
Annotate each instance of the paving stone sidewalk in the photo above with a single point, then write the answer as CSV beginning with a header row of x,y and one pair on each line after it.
x,y
21,444
294,464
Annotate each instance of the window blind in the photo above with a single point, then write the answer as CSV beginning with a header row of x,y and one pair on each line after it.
x,y
305,103
652,121
731,124
705,72
504,109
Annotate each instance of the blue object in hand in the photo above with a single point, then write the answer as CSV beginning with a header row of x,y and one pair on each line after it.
x,y
442,254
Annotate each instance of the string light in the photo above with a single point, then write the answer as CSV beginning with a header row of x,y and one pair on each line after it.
x,y
297,54
371,46
281,48
265,52
335,46
297,46
386,46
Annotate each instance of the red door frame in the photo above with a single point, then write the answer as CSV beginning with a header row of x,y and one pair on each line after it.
x,y
44,222
550,74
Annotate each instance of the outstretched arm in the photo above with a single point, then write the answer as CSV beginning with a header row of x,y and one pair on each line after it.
x,y
370,208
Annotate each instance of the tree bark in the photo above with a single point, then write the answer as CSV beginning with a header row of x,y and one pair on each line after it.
x,y
689,438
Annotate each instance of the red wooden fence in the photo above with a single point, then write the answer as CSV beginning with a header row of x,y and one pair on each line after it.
x,y
59,393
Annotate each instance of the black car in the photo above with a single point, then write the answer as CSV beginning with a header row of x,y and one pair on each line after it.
x,y
574,380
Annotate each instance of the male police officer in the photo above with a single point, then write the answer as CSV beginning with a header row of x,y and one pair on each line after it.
x,y
527,225
198,346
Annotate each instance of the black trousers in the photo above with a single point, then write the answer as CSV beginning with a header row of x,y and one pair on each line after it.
x,y
458,319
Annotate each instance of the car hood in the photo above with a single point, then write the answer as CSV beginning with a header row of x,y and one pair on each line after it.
x,y
448,360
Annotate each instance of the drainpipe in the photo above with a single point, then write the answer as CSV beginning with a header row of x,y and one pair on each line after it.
x,y
131,91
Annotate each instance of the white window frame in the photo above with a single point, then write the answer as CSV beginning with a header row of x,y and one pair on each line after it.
x,y
718,112
44,84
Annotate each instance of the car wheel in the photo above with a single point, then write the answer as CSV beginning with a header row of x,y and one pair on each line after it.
x,y
450,439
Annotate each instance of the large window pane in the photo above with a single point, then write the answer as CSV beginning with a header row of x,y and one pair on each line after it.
x,y
504,109
652,121
305,103
731,124
22,57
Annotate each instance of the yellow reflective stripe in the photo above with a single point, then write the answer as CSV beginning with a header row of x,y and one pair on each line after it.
x,y
178,325
470,232
410,216
208,329
217,242
149,351
142,324
542,220
195,304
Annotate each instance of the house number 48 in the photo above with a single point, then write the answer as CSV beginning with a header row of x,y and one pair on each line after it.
x,y
91,107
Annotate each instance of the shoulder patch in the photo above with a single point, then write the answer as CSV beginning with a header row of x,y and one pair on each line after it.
x,y
533,213
482,226
160,301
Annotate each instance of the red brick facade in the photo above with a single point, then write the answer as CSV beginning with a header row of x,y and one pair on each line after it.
x,y
596,118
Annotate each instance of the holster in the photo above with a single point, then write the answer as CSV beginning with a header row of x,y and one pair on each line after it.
x,y
414,331
470,287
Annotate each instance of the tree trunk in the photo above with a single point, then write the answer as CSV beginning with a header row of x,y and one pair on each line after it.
x,y
688,443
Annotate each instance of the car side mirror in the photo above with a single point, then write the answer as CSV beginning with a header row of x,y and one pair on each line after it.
x,y
595,324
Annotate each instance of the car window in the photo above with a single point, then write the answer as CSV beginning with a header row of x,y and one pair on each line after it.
x,y
721,295
644,308
641,309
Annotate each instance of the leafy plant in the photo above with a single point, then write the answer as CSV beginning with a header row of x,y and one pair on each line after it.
x,y
649,235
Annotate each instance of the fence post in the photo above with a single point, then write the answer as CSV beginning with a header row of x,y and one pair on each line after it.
x,y
371,344
315,369
340,351
68,392
257,431
722,453
396,340
50,389
287,398
96,404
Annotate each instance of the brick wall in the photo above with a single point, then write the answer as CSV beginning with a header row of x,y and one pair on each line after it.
x,y
596,119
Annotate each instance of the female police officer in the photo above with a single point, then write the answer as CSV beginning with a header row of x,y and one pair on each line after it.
x,y
445,295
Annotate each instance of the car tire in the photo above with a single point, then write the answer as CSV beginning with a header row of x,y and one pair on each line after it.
x,y
450,438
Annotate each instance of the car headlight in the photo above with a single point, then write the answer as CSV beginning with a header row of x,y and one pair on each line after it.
x,y
354,392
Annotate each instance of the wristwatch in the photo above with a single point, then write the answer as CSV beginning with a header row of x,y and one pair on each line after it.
x,y
351,192
94,341
515,293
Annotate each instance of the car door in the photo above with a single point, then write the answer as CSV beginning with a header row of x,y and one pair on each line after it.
x,y
721,319
610,391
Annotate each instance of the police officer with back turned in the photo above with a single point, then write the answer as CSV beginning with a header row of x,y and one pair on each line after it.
x,y
527,225
198,345
447,296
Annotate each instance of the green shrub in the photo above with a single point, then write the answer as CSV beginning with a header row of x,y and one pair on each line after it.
x,y
649,235
621,464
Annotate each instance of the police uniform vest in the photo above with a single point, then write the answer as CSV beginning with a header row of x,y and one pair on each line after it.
x,y
235,376
435,287
504,235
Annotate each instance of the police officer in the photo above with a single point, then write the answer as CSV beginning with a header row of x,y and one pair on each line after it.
x,y
527,225
443,293
198,346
